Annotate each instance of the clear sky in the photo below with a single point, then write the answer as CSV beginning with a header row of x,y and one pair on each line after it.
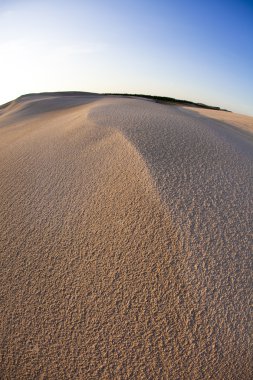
x,y
189,49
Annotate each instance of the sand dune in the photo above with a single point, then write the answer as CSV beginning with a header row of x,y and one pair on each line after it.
x,y
125,241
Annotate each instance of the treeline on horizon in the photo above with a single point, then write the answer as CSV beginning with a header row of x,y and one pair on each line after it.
x,y
166,99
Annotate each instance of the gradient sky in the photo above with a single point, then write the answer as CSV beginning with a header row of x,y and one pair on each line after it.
x,y
196,50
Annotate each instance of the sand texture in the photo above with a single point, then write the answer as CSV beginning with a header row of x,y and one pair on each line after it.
x,y
242,122
125,242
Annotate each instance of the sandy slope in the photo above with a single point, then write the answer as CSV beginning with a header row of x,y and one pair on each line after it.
x,y
234,119
125,247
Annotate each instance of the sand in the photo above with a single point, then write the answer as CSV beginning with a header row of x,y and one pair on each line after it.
x,y
242,122
125,241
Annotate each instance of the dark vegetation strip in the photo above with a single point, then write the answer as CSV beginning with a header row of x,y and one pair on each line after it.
x,y
165,99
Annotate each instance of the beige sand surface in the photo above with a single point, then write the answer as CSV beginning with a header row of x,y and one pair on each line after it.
x,y
243,122
125,246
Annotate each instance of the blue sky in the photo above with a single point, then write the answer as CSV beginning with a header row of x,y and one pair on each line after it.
x,y
195,50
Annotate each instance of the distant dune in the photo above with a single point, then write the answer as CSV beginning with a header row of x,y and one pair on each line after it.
x,y
242,122
125,240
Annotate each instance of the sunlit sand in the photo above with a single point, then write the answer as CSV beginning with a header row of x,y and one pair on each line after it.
x,y
243,122
125,240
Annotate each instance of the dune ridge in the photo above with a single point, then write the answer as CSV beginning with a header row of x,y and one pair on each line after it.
x,y
101,273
